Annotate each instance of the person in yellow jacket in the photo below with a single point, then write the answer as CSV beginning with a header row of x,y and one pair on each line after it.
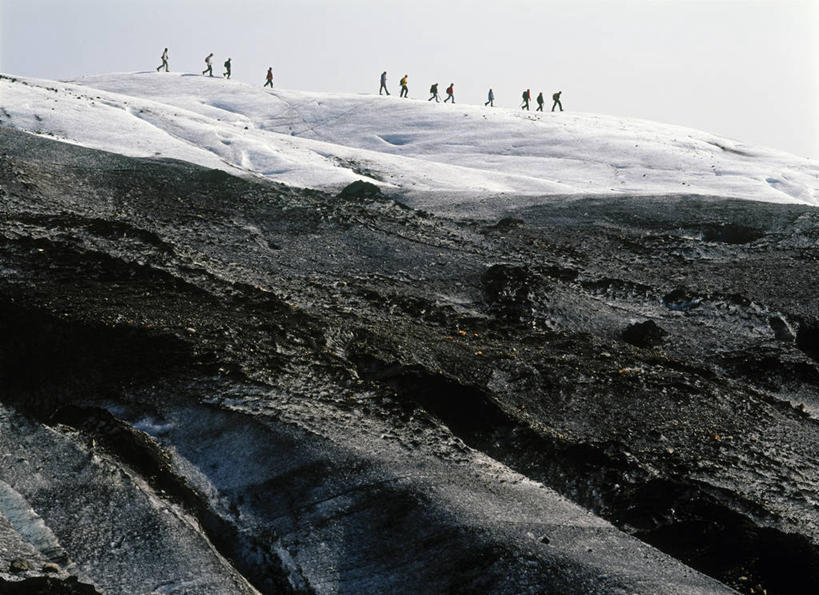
x,y
404,90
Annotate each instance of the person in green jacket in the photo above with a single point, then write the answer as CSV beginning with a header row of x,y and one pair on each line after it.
x,y
227,69
556,98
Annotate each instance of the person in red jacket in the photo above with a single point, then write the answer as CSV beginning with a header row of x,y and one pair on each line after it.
x,y
269,82
450,93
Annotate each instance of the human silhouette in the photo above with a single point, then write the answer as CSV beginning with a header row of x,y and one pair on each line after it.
x,y
227,69
209,68
383,86
557,103
491,98
526,97
539,102
434,91
404,89
164,59
450,93
269,81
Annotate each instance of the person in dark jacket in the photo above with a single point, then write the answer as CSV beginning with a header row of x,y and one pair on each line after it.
x,y
434,91
164,59
227,69
491,98
526,97
383,86
556,98
269,81
450,93
209,66
404,89
539,102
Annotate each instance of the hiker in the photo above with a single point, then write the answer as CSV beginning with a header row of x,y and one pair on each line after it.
x,y
526,97
227,68
539,102
404,90
164,61
491,98
434,90
383,86
557,103
450,93
209,68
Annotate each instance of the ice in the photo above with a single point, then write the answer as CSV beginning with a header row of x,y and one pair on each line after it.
x,y
406,146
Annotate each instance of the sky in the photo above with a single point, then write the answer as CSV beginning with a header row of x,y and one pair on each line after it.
x,y
744,69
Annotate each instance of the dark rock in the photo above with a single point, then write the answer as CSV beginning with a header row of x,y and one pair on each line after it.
x,y
681,299
506,224
730,233
47,585
20,565
807,339
782,330
508,291
644,334
360,189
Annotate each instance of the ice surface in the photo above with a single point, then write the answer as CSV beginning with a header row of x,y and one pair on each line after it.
x,y
323,140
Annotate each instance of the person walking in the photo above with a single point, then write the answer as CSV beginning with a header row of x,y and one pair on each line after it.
x,y
227,69
383,86
491,98
434,91
404,89
539,102
450,93
209,66
269,82
164,61
556,98
526,97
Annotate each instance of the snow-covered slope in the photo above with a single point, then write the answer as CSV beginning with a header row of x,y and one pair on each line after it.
x,y
322,140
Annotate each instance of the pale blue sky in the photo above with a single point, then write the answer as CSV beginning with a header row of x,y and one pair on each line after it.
x,y
748,70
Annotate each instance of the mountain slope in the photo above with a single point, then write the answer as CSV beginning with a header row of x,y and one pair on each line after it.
x,y
410,147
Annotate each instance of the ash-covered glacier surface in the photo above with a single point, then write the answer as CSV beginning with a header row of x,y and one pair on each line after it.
x,y
217,384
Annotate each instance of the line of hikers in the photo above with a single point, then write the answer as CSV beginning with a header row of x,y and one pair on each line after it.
x,y
450,94
209,68
433,90
527,96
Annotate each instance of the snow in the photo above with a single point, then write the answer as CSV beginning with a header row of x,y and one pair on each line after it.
x,y
407,146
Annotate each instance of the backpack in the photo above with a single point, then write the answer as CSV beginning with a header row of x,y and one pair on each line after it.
x,y
524,95
449,90
433,89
